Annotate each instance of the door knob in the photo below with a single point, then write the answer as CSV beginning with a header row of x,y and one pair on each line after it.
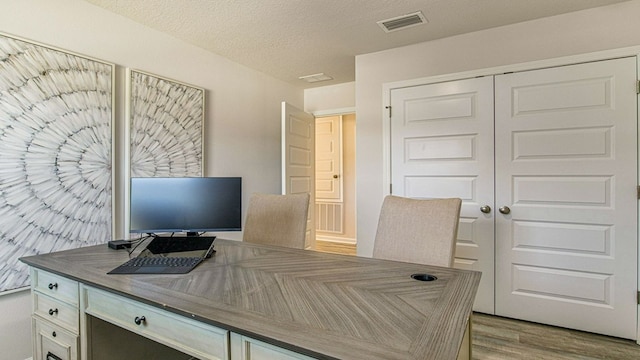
x,y
504,210
485,209
335,176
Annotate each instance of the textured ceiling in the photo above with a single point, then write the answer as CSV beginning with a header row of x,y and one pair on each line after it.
x,y
291,38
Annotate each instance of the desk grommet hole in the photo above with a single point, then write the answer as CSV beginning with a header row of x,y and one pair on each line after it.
x,y
424,277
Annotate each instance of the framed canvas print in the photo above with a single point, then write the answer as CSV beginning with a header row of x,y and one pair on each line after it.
x,y
56,115
166,120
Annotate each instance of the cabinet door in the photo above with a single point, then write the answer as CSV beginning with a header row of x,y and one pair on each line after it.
x,y
442,146
566,167
52,342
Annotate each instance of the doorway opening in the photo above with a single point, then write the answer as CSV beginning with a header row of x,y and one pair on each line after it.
x,y
335,179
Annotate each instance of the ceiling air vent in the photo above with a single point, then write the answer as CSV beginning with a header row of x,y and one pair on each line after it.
x,y
315,77
402,22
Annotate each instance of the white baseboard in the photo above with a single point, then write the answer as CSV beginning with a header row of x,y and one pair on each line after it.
x,y
336,239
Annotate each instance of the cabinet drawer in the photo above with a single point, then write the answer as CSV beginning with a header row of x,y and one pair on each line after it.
x,y
192,337
56,311
53,342
56,286
245,348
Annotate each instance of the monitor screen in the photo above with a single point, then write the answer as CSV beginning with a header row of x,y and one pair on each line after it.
x,y
190,204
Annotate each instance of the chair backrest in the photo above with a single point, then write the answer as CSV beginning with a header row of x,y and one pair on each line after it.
x,y
277,220
418,231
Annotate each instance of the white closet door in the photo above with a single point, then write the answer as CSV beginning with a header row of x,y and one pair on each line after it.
x,y
566,166
442,146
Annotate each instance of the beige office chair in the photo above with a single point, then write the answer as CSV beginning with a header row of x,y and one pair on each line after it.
x,y
277,220
418,231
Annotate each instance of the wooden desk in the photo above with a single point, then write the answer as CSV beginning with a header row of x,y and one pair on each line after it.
x,y
260,300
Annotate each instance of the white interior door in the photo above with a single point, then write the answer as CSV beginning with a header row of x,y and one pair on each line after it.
x,y
329,159
566,167
442,146
298,159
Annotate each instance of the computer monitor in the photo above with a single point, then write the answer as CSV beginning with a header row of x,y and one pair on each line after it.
x,y
186,205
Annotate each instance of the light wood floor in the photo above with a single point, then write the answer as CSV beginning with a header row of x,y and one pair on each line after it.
x,y
335,247
497,338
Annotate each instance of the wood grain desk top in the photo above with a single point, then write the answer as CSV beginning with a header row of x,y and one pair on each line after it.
x,y
319,304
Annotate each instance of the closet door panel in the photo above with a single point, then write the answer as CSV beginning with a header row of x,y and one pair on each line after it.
x,y
442,146
566,167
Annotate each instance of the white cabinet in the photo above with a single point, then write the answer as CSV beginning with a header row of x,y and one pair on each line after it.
x,y
55,319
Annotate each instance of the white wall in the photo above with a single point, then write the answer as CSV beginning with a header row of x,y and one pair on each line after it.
x,y
242,105
586,31
331,98
15,326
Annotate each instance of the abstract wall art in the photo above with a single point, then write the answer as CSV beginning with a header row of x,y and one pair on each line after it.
x,y
166,126
55,153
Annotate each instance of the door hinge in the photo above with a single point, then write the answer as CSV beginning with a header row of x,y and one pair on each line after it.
x,y
638,192
638,298
637,86
390,188
388,107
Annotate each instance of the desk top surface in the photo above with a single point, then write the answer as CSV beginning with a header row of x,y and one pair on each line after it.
x,y
319,304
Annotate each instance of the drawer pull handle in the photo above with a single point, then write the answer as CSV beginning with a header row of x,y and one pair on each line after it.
x,y
139,320
53,286
54,334
53,311
52,356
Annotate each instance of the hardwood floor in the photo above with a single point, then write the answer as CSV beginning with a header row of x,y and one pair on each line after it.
x,y
335,247
497,338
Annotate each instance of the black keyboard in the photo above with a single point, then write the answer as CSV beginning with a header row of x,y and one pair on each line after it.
x,y
158,265
163,261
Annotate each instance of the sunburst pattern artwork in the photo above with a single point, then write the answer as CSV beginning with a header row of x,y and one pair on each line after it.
x,y
166,124
55,154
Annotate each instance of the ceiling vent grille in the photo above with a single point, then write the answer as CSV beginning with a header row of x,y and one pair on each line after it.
x,y
402,22
315,78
